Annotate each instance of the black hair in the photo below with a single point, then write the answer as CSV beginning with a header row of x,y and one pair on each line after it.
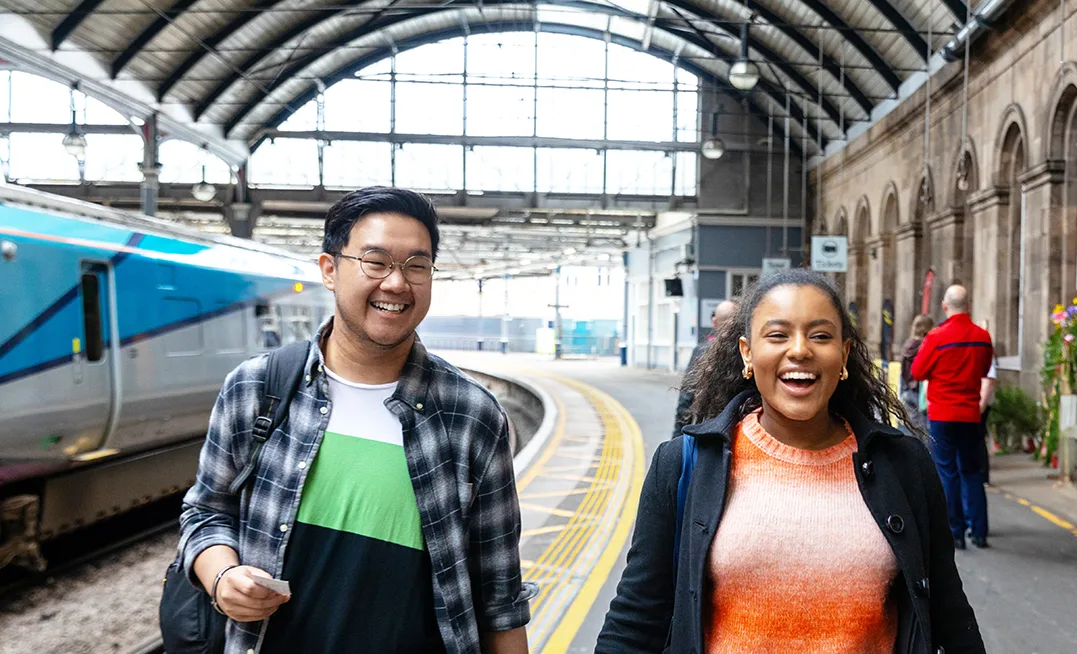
x,y
718,376
351,208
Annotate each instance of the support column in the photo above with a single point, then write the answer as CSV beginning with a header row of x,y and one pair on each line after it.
x,y
883,266
151,168
242,218
856,285
987,210
906,295
948,254
1042,190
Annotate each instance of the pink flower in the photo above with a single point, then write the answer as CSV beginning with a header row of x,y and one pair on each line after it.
x,y
1068,338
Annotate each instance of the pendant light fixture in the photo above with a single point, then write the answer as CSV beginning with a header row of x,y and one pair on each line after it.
x,y
75,142
744,74
713,147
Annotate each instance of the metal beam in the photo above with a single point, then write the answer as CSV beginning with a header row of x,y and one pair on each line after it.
x,y
812,49
505,141
147,35
902,25
774,59
244,67
209,43
72,21
863,47
958,9
61,128
367,59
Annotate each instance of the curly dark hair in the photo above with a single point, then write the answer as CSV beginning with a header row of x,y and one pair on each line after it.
x,y
717,377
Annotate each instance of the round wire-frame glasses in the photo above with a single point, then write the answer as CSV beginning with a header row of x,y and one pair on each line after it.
x,y
378,264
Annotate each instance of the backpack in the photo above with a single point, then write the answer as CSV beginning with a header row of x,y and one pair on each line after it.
x,y
689,454
189,623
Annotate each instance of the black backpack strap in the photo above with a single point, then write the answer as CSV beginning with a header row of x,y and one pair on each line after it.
x,y
284,369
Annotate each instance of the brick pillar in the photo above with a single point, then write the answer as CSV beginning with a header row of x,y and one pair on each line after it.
x,y
856,283
947,229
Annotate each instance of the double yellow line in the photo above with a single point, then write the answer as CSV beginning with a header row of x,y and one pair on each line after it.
x,y
622,444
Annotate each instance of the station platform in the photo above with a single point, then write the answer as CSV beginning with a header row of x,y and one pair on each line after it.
x,y
579,495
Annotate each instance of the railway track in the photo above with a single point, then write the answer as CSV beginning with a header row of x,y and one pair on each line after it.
x,y
74,550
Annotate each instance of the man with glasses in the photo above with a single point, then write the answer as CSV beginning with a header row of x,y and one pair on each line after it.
x,y
386,499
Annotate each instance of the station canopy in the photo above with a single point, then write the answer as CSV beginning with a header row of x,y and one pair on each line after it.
x,y
230,73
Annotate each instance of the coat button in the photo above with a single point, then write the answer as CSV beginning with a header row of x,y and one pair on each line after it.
x,y
923,587
419,406
283,528
867,468
302,465
895,523
323,410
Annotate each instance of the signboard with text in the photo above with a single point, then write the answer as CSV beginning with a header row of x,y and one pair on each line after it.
x,y
829,253
776,265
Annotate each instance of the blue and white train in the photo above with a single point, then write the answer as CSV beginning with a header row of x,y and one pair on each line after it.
x,y
116,331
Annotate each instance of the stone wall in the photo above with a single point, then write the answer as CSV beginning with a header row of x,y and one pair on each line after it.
x,y
1010,235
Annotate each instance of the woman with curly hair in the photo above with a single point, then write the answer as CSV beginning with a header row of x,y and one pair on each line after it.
x,y
810,525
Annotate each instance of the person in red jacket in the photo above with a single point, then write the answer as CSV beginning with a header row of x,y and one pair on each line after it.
x,y
953,359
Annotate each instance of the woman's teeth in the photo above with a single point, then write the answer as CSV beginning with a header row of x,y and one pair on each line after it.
x,y
798,376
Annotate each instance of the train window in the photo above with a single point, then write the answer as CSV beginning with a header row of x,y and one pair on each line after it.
x,y
230,332
268,325
91,314
186,339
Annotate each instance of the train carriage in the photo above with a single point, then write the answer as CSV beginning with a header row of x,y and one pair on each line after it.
x,y
116,331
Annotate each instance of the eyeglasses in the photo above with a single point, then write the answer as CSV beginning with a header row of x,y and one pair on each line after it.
x,y
377,264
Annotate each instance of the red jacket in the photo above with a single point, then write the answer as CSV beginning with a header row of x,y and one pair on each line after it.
x,y
953,359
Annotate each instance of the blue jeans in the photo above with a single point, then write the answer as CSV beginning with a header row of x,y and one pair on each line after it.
x,y
957,447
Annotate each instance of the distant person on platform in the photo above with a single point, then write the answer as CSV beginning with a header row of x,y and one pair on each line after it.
x,y
910,388
719,317
954,359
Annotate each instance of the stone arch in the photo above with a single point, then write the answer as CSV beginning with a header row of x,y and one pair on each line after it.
x,y
922,199
1062,103
889,216
1013,125
965,162
840,225
860,230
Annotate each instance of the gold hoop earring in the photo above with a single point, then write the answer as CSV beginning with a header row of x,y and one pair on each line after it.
x,y
844,373
748,372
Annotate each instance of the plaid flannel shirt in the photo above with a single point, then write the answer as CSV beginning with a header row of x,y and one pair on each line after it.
x,y
457,449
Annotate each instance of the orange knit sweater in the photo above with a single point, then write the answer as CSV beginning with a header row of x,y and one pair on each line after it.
x,y
798,563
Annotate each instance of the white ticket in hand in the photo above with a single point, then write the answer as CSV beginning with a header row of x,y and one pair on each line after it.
x,y
279,586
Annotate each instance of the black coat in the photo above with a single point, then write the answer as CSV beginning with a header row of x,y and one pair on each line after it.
x,y
654,613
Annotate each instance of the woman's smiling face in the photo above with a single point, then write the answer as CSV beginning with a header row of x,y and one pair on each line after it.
x,y
796,351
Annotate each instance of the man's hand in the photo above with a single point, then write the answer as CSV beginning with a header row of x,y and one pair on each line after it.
x,y
240,598
245,601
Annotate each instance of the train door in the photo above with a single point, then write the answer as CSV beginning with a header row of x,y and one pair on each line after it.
x,y
93,359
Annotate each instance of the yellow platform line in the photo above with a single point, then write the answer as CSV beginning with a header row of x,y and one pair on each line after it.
x,y
629,439
555,441
542,530
565,547
1043,513
556,493
552,510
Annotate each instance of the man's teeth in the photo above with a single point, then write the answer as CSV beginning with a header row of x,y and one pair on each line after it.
x,y
385,306
804,376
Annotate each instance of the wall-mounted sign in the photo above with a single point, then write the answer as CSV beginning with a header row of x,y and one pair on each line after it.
x,y
776,265
829,253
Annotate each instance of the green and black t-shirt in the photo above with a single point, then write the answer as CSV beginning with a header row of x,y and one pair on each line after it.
x,y
356,561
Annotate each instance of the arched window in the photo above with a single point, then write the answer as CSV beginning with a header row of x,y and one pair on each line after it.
x,y
1011,165
488,85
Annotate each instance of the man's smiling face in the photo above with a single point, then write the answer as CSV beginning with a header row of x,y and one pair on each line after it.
x,y
381,312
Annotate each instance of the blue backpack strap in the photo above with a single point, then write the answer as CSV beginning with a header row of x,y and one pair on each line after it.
x,y
689,452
